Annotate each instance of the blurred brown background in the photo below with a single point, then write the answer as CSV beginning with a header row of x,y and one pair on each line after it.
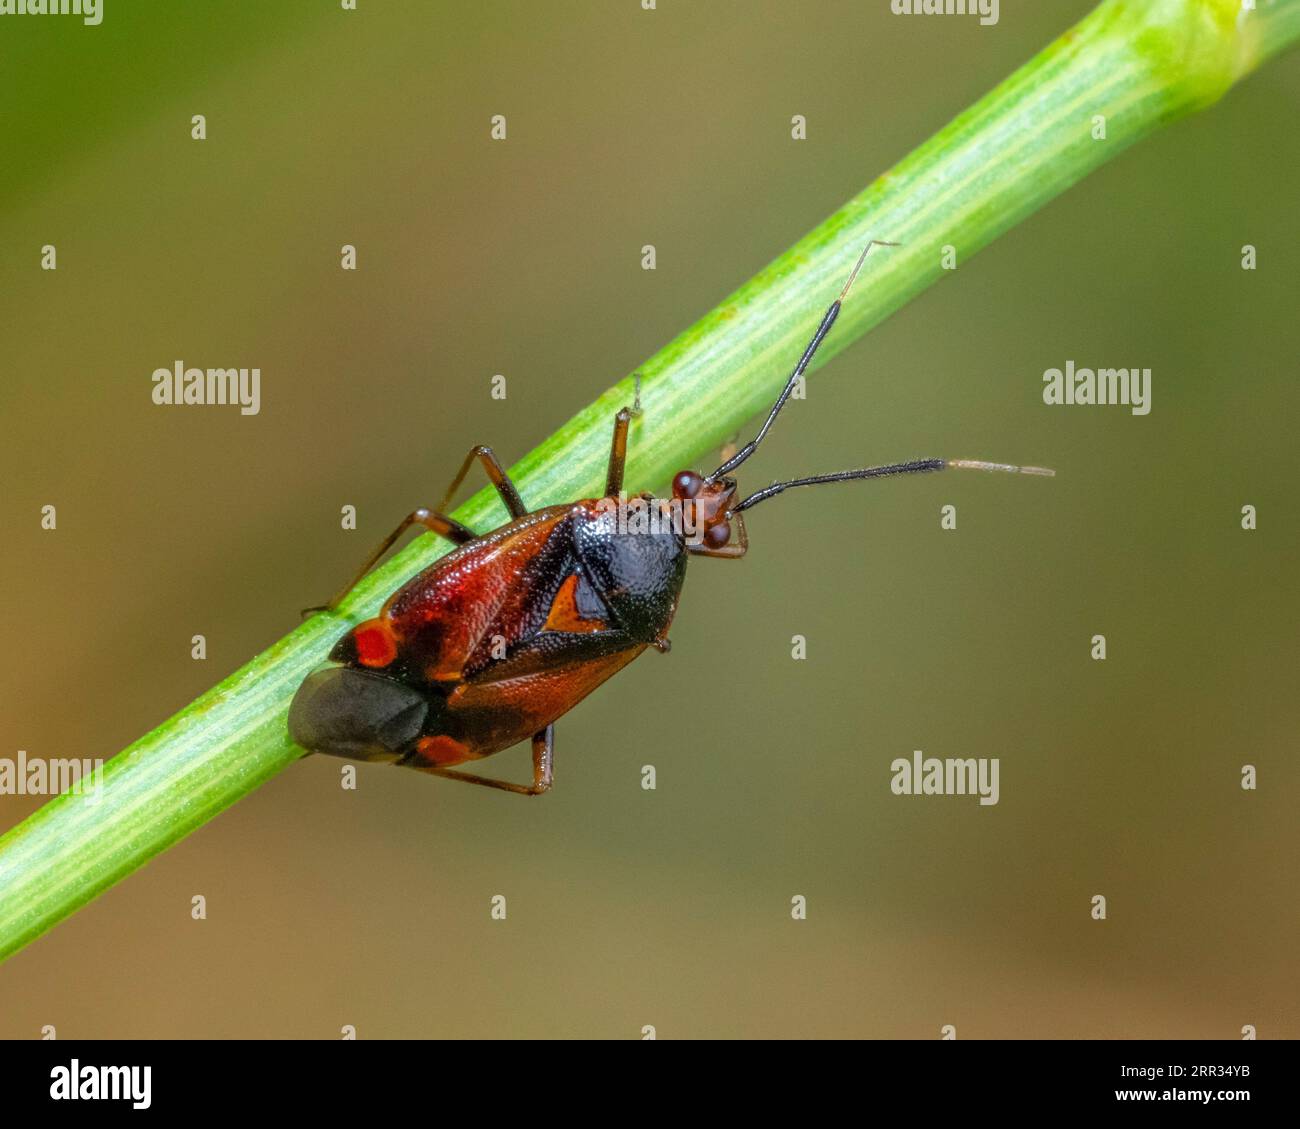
x,y
671,907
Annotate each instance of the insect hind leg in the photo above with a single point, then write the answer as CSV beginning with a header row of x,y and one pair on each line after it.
x,y
618,446
543,769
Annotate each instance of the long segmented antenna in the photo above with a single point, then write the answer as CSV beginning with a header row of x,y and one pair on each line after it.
x,y
1008,468
862,258
823,329
916,466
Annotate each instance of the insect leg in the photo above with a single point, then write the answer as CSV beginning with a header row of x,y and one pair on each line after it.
x,y
543,759
446,527
618,448
496,474
739,549
543,753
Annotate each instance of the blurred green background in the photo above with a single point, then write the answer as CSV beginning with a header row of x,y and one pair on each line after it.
x,y
671,907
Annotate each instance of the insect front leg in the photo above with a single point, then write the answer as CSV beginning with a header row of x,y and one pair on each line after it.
x,y
738,549
437,523
618,448
543,767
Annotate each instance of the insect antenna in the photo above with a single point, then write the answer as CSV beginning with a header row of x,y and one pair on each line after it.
x,y
823,329
916,466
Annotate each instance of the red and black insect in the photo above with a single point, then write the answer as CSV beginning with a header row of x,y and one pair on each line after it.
x,y
492,643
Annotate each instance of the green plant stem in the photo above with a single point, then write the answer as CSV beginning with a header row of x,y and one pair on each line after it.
x,y
1138,63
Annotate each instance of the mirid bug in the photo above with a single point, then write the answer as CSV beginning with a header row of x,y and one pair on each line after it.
x,y
495,641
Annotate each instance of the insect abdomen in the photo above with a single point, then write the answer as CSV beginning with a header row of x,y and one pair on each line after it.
x,y
347,712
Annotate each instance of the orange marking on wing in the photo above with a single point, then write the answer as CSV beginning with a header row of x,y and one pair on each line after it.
x,y
444,672
564,611
442,751
375,644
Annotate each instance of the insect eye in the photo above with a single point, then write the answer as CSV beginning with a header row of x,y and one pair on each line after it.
x,y
717,535
687,484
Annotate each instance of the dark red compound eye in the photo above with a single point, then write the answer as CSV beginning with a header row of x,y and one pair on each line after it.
x,y
717,535
687,484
